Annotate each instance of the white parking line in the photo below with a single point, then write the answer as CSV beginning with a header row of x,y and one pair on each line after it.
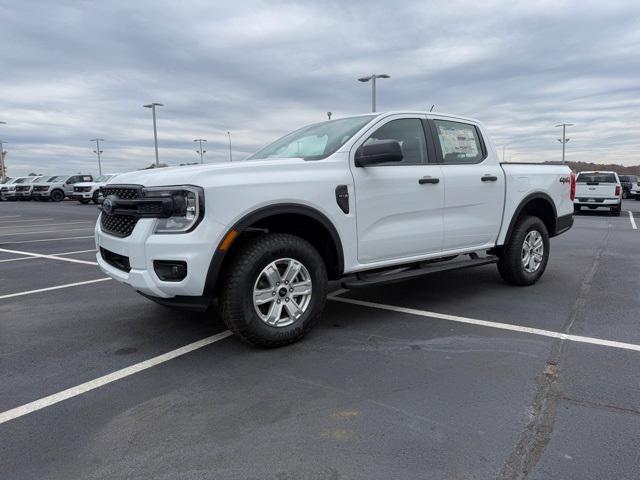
x,y
43,225
45,231
49,257
55,254
10,216
44,240
58,287
484,323
106,379
632,220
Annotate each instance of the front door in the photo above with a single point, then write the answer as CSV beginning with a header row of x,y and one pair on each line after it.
x,y
399,204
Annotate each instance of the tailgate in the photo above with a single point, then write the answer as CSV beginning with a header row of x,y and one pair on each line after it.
x,y
596,185
602,190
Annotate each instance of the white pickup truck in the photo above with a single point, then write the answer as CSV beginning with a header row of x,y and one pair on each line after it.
x,y
364,200
598,190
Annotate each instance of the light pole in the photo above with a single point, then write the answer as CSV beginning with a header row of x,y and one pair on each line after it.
x,y
564,138
230,155
153,106
98,152
200,151
4,175
373,87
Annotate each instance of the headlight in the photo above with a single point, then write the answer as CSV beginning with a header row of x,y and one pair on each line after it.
x,y
185,211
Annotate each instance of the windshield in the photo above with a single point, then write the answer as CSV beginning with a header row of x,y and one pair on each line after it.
x,y
314,142
23,180
43,179
596,178
57,178
103,178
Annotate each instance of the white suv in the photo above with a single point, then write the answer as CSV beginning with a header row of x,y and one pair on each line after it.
x,y
598,190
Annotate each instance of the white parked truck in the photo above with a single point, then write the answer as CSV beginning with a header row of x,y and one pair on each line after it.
x,y
86,192
363,200
598,190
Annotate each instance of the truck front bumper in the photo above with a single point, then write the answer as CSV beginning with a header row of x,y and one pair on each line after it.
x,y
81,195
142,247
40,195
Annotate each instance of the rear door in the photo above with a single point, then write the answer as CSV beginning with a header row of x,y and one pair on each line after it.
x,y
594,186
474,185
399,204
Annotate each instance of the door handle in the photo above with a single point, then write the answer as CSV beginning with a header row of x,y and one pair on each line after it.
x,y
424,180
489,178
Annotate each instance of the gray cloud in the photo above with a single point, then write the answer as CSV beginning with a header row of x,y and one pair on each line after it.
x,y
75,70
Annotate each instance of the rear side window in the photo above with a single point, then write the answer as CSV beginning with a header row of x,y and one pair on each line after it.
x,y
409,133
459,142
596,178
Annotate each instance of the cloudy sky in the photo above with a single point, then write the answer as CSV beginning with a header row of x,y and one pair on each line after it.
x,y
74,70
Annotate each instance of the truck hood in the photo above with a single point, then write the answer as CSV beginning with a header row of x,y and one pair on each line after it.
x,y
199,174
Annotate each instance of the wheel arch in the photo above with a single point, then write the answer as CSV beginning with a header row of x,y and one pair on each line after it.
x,y
538,204
302,220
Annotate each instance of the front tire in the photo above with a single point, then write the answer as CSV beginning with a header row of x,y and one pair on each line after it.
x,y
526,254
57,196
273,290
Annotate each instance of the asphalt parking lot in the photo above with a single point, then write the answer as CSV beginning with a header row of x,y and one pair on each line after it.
x,y
455,376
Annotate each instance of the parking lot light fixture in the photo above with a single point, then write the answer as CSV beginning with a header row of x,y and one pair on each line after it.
x,y
153,106
373,87
564,138
98,152
200,150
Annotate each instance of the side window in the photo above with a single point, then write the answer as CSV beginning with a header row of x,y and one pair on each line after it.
x,y
71,180
408,132
459,142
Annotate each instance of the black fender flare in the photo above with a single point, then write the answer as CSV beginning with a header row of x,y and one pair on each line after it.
x,y
264,212
521,206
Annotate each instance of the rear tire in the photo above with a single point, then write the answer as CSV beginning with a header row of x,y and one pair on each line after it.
x,y
57,195
278,317
524,263
615,212
96,197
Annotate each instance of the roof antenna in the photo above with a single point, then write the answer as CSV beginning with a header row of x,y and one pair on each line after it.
x,y
431,109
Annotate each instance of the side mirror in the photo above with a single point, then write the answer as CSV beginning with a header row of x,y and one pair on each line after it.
x,y
380,151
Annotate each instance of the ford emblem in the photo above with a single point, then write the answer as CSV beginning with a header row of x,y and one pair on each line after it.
x,y
107,206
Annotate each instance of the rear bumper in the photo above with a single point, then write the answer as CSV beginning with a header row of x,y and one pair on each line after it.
x,y
598,202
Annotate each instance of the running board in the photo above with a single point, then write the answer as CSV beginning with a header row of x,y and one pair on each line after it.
x,y
363,280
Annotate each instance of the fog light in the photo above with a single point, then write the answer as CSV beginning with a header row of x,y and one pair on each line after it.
x,y
170,270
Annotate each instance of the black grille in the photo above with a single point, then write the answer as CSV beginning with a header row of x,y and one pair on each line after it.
x,y
22,188
40,189
118,225
125,193
118,261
